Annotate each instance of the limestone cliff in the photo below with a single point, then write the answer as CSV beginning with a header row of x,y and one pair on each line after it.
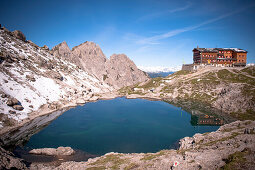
x,y
62,50
121,71
91,58
118,71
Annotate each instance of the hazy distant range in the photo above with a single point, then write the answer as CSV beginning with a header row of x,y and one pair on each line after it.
x,y
159,71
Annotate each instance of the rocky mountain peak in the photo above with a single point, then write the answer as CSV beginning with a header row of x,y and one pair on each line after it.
x,y
62,50
117,71
18,34
91,58
123,72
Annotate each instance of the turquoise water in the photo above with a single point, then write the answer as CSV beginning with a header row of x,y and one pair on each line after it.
x,y
118,125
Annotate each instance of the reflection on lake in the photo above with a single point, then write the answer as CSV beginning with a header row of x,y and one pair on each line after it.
x,y
206,119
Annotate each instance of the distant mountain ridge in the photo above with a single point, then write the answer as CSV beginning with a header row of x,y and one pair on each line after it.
x,y
159,74
158,69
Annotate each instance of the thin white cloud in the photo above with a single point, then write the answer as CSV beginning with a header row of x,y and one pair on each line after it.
x,y
155,39
167,12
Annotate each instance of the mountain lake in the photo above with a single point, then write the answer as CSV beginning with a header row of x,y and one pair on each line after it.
x,y
120,125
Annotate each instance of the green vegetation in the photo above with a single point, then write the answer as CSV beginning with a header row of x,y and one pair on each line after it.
x,y
115,161
249,91
97,168
182,151
228,129
247,123
131,166
248,115
192,161
179,73
105,77
249,70
150,156
152,83
228,76
167,89
237,160
233,135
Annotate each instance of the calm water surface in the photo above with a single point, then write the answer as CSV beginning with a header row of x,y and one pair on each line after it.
x,y
119,125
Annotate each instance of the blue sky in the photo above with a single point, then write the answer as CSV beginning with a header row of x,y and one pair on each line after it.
x,y
150,32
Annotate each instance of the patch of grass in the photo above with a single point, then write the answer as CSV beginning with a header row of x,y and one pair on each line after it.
x,y
182,151
207,79
249,91
249,70
181,72
233,135
152,83
97,168
192,161
247,123
248,115
150,156
236,160
115,161
228,129
206,133
131,166
126,90
105,77
167,89
228,76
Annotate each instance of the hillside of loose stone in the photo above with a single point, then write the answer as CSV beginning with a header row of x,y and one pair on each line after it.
x,y
33,79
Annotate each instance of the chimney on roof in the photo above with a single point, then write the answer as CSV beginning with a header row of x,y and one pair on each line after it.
x,y
197,46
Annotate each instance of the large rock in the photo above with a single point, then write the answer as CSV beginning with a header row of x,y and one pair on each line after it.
x,y
60,151
18,34
18,107
33,44
62,50
22,57
55,75
45,47
31,78
8,161
12,101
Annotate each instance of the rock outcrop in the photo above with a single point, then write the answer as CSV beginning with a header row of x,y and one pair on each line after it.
x,y
8,161
62,50
18,34
121,71
60,151
118,71
91,58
